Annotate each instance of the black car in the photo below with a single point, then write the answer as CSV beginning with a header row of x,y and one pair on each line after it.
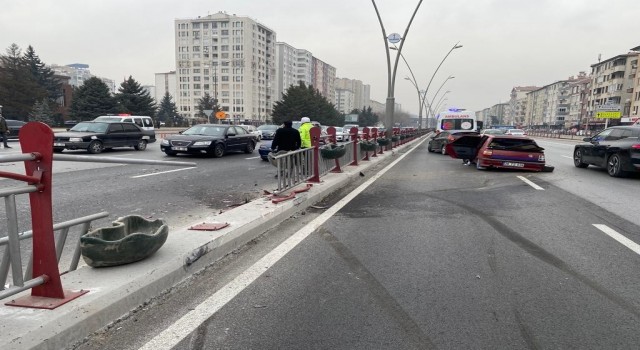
x,y
14,128
98,136
210,139
268,131
439,141
617,149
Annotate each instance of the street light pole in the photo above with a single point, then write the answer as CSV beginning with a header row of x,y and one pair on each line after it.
x,y
455,46
391,76
414,82
440,88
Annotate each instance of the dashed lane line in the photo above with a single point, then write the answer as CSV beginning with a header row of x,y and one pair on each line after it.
x,y
530,183
618,237
162,172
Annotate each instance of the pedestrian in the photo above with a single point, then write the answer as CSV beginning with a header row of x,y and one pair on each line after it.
x,y
4,130
305,135
286,138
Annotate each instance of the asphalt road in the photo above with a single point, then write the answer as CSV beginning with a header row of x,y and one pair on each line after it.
x,y
433,254
180,195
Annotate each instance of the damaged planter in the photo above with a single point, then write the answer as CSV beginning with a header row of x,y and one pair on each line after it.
x,y
130,239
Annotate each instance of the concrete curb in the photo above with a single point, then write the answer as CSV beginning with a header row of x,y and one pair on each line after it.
x,y
115,291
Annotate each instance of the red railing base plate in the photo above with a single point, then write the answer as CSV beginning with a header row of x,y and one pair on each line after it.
x,y
213,226
35,302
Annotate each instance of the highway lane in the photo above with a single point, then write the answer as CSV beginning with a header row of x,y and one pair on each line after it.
x,y
433,254
181,195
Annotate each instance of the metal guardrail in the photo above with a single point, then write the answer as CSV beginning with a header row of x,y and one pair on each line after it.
x,y
42,275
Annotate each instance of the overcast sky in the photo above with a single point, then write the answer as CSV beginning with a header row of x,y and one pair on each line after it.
x,y
506,43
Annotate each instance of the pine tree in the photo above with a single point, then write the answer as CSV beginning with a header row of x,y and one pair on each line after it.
x,y
41,112
18,90
91,100
42,75
305,101
168,110
135,100
207,102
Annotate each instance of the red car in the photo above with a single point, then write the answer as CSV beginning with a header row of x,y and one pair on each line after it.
x,y
499,151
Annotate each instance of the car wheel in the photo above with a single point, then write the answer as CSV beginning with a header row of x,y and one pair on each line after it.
x,y
170,153
429,147
577,159
218,150
250,147
141,146
614,166
443,150
95,147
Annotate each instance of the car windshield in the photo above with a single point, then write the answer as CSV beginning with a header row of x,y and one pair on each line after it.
x,y
90,127
267,127
205,130
515,144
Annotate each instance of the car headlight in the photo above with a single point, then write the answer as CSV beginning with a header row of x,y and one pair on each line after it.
x,y
202,143
164,142
75,139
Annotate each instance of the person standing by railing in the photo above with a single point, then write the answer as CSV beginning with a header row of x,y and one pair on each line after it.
x,y
4,129
286,138
305,136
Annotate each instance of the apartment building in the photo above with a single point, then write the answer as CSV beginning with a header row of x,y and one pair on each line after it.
x,y
612,83
633,111
518,105
361,92
324,78
292,67
165,82
230,57
578,101
344,101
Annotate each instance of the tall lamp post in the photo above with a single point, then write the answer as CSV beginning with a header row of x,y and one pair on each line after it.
x,y
441,100
440,88
413,82
391,75
455,46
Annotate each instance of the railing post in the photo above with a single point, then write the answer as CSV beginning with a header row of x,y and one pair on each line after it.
x,y
375,134
37,138
354,138
365,136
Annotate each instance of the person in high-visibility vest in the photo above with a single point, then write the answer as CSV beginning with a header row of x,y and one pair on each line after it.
x,y
305,135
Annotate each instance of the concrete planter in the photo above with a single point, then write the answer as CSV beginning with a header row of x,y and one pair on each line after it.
x,y
130,239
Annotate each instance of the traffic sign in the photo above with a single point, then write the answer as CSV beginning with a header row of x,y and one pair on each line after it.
x,y
207,112
608,115
394,38
221,115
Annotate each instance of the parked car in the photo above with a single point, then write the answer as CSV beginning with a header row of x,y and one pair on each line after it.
x,y
265,148
268,131
253,130
210,139
439,141
499,151
14,128
98,136
617,149
515,132
492,132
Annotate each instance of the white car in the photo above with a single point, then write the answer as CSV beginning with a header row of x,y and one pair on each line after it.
x,y
515,132
253,130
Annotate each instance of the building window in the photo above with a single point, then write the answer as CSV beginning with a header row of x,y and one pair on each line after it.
x,y
224,32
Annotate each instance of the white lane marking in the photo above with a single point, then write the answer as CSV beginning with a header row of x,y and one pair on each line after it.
x,y
618,237
179,330
162,172
253,157
528,182
567,157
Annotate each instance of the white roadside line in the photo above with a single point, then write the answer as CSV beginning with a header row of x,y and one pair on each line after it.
x,y
179,330
618,237
567,157
528,182
162,172
253,157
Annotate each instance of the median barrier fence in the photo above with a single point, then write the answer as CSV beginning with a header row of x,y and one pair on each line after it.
x,y
42,275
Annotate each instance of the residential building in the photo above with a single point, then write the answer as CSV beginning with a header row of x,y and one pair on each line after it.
x,y
344,101
78,73
518,105
361,92
324,78
165,82
230,57
612,84
631,108
293,66
578,101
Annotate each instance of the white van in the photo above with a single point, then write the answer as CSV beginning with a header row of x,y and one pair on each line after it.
x,y
144,122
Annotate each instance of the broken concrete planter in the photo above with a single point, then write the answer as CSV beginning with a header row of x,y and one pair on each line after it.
x,y
131,238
